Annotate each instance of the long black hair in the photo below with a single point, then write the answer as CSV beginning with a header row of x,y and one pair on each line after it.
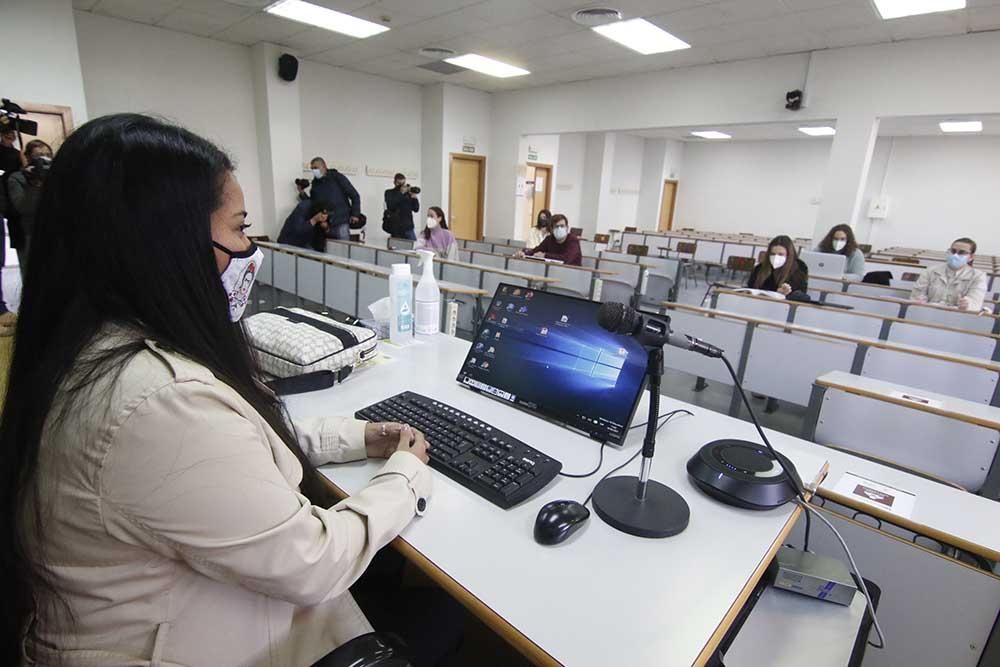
x,y
123,238
442,221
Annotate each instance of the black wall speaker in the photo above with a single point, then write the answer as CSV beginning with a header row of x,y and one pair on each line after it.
x,y
288,67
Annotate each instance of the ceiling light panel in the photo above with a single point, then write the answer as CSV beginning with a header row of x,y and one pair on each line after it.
x,y
642,36
488,66
961,126
328,19
818,131
894,9
711,134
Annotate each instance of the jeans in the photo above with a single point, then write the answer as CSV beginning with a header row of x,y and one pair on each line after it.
x,y
410,234
341,232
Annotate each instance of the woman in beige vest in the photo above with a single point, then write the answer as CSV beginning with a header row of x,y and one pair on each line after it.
x,y
158,508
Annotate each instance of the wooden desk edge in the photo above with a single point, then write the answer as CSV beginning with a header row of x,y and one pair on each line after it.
x,y
720,632
922,407
913,526
477,607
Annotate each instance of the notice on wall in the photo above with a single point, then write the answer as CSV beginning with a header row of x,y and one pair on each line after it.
x,y
869,492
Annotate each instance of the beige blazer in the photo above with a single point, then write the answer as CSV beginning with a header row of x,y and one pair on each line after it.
x,y
177,534
939,284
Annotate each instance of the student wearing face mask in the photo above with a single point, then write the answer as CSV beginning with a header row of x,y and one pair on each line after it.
x,y
542,228
840,240
153,485
561,245
781,269
436,235
955,283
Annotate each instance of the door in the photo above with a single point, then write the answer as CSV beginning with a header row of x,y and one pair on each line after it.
x,y
465,213
542,197
667,206
54,123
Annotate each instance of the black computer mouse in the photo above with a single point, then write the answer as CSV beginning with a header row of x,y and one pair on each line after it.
x,y
559,519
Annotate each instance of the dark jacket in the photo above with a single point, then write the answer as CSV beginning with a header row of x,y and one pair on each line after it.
x,y
10,163
402,206
337,191
23,194
298,232
797,279
568,252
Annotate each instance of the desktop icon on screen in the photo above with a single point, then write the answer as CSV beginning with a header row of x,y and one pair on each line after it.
x,y
491,317
564,319
472,361
497,337
523,310
544,331
492,350
517,292
498,304
486,364
503,321
510,306
479,346
503,290
529,294
486,333
622,352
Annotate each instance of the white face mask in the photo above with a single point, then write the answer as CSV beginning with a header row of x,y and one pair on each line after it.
x,y
839,245
560,233
238,276
777,261
431,222
317,173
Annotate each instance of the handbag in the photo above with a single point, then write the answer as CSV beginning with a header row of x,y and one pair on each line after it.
x,y
292,341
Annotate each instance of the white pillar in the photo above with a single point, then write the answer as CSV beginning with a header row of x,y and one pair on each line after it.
x,y
279,137
433,163
847,171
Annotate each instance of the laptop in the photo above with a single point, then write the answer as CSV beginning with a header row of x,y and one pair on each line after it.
x,y
824,263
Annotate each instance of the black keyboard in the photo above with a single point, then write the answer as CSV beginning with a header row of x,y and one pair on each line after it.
x,y
483,459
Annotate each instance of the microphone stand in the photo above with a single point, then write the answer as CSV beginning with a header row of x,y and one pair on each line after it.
x,y
637,505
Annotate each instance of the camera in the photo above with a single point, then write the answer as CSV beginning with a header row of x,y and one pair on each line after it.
x,y
301,183
414,190
10,119
38,168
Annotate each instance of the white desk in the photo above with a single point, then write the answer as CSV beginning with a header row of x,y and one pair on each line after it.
x,y
602,597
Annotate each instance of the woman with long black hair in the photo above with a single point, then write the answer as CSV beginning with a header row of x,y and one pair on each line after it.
x,y
158,509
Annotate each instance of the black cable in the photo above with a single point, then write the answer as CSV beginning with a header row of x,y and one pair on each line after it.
x,y
767,443
600,462
667,417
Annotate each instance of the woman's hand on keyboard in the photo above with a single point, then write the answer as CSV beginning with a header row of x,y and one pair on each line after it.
x,y
382,439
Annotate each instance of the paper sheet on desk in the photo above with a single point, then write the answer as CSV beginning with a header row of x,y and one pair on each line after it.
x,y
887,498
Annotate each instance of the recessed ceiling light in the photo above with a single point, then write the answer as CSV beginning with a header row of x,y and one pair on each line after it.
x,y
818,131
485,65
642,36
962,126
328,19
711,134
894,9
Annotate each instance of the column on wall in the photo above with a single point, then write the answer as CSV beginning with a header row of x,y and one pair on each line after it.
x,y
654,155
433,165
279,136
847,171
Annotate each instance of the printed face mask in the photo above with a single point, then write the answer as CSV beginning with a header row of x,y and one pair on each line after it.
x,y
238,276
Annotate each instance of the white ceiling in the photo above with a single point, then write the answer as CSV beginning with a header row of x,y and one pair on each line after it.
x,y
539,35
910,126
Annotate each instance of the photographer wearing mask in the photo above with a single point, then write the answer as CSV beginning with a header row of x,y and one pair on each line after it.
x,y
306,226
331,186
400,205
10,163
562,245
24,188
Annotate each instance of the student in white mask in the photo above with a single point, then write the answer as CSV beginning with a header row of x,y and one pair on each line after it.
x,y
153,484
840,240
436,235
954,283
781,270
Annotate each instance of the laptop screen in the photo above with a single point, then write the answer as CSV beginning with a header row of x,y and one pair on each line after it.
x,y
546,353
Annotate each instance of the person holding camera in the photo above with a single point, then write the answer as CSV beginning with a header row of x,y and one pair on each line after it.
x,y
400,205
10,163
307,225
24,188
332,187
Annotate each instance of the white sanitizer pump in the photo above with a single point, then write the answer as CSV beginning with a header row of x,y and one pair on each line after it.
x,y
428,297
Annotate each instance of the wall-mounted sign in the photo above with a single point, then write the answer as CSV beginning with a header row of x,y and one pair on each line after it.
x,y
346,168
468,148
532,155
388,172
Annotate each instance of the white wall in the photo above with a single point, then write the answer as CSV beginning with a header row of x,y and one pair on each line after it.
x,y
433,163
764,187
620,202
569,184
647,214
596,177
940,188
202,84
466,116
40,60
362,121
544,149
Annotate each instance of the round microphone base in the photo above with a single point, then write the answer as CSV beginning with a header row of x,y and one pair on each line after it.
x,y
662,513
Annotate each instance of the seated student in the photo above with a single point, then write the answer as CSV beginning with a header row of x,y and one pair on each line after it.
x,y
159,507
954,283
436,236
781,271
306,226
840,240
542,228
561,245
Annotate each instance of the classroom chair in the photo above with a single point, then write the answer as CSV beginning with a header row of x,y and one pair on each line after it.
x,y
637,250
687,263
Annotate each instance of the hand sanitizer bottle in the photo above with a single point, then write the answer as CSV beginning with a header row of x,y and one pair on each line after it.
x,y
428,297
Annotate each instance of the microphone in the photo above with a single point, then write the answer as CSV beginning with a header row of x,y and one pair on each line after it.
x,y
650,331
